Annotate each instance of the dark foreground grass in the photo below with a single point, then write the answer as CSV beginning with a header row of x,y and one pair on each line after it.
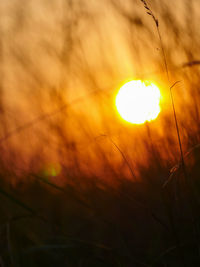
x,y
136,224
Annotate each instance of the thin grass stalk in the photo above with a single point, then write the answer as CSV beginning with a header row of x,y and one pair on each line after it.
x,y
122,154
191,196
170,213
149,12
133,199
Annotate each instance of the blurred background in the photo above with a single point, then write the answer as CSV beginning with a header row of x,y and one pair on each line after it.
x,y
61,66
62,63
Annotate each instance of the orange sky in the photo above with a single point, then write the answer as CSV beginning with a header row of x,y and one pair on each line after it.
x,y
78,54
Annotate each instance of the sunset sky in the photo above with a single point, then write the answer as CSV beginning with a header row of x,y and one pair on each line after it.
x,y
63,63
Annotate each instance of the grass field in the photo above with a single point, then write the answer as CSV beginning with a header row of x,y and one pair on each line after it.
x,y
79,186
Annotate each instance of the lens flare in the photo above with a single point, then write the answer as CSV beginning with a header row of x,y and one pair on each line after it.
x,y
138,101
51,170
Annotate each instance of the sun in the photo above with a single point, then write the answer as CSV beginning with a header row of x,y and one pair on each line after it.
x,y
138,101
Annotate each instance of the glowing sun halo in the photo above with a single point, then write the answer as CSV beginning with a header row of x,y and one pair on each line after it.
x,y
138,101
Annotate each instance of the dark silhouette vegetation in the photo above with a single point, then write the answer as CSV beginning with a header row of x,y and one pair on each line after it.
x,y
80,187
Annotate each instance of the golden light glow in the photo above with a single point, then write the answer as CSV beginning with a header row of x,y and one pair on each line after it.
x,y
138,101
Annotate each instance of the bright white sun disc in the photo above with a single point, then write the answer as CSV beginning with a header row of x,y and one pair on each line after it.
x,y
138,101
